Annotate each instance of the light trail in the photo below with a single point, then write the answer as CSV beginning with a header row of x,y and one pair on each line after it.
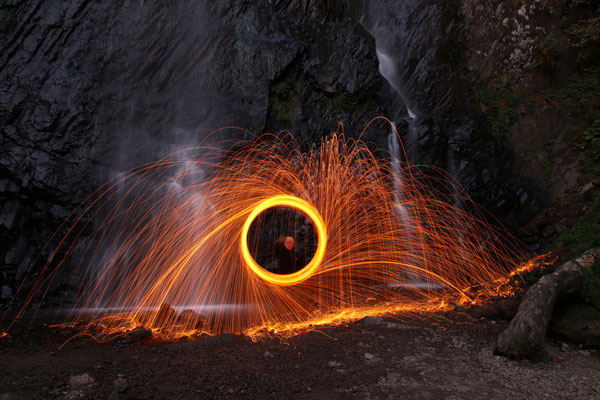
x,y
311,267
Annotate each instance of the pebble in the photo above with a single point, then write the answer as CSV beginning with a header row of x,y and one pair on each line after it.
x,y
78,381
369,356
587,188
121,385
268,354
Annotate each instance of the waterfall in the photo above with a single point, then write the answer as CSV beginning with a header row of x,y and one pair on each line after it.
x,y
393,70
389,71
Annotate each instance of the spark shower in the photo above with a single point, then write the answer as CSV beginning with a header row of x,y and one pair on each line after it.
x,y
176,232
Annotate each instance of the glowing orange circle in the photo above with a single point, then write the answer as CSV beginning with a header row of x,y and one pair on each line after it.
x,y
309,269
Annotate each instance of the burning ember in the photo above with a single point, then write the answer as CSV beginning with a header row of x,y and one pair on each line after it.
x,y
177,232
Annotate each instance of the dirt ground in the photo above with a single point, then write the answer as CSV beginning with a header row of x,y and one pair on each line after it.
x,y
449,357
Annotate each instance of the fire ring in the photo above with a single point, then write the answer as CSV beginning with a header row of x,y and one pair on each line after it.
x,y
309,269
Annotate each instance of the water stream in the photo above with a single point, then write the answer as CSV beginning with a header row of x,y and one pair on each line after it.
x,y
395,70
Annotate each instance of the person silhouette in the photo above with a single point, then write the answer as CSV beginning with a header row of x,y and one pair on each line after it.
x,y
287,259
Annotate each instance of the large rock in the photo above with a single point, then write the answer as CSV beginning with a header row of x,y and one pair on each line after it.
x,y
525,336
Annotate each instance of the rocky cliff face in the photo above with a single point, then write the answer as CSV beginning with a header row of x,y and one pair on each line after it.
x,y
425,43
91,89
533,71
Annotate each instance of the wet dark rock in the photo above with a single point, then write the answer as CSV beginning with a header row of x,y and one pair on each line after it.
x,y
91,89
6,292
189,319
139,333
446,129
165,316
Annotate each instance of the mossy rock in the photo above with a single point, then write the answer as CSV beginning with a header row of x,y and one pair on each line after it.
x,y
590,285
585,233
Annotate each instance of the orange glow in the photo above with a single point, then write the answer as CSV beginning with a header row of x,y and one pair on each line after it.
x,y
505,286
391,239
310,268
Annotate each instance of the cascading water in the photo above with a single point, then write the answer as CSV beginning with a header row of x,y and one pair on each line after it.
x,y
388,70
396,71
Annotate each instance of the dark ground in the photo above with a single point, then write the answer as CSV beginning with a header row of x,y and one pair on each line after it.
x,y
449,357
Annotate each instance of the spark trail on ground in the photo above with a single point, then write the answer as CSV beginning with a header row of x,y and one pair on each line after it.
x,y
175,232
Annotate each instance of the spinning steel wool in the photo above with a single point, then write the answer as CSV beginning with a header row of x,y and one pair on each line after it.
x,y
177,232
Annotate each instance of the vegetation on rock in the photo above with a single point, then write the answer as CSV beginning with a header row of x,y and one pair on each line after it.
x,y
498,104
284,95
585,233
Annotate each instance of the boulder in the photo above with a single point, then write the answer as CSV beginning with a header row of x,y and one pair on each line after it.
x,y
525,336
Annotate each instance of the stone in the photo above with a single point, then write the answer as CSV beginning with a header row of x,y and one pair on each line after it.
x,y
368,320
165,316
588,187
80,381
190,319
121,384
268,354
139,333
526,333
6,292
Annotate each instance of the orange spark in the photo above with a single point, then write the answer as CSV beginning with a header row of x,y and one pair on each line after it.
x,y
177,231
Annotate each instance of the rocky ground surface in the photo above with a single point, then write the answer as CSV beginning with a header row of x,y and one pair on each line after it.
x,y
449,356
